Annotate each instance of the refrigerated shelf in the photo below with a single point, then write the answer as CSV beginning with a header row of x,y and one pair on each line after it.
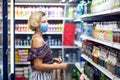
x,y
53,47
106,12
22,63
53,18
70,47
78,20
106,72
55,33
40,4
107,43
78,43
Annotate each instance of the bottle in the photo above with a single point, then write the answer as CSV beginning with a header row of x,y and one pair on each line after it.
x,y
82,5
70,12
74,74
78,74
47,11
61,12
117,35
88,7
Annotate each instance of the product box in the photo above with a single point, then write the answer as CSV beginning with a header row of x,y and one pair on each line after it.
x,y
102,62
95,59
117,70
111,68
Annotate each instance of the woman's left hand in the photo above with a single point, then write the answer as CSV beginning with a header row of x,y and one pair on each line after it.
x,y
58,60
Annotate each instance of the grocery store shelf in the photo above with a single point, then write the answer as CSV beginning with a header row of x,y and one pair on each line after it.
x,y
73,1
107,12
78,43
117,10
107,43
22,46
41,4
77,20
97,40
53,18
116,45
24,32
68,18
55,33
81,70
105,71
96,14
70,47
22,63
53,47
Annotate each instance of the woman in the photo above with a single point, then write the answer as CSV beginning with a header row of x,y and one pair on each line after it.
x,y
41,56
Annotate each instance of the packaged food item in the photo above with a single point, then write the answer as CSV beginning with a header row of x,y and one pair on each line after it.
x,y
117,70
95,54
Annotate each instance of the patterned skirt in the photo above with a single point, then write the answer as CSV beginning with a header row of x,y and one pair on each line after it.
x,y
37,75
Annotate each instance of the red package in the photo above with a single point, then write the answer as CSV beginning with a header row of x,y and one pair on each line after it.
x,y
69,34
20,78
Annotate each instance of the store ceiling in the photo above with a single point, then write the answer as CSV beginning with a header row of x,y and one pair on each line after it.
x,y
37,1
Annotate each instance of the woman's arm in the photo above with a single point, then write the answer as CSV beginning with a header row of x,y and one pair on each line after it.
x,y
38,65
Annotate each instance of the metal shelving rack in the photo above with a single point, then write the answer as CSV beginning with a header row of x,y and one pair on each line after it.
x,y
95,17
107,43
106,72
51,33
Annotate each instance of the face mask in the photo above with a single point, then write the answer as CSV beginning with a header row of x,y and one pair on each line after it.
x,y
44,27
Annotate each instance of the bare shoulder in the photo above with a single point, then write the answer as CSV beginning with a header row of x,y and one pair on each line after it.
x,y
37,41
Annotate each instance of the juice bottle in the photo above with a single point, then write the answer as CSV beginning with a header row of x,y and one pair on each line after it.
x,y
117,35
116,4
19,12
70,12
105,33
100,32
110,34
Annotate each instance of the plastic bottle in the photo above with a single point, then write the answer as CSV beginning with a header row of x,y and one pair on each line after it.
x,y
70,12
46,11
74,75
61,12
61,29
82,7
56,12
49,12
19,12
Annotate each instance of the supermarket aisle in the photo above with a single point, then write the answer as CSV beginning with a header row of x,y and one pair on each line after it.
x,y
84,33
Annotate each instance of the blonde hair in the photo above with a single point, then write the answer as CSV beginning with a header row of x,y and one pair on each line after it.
x,y
35,20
